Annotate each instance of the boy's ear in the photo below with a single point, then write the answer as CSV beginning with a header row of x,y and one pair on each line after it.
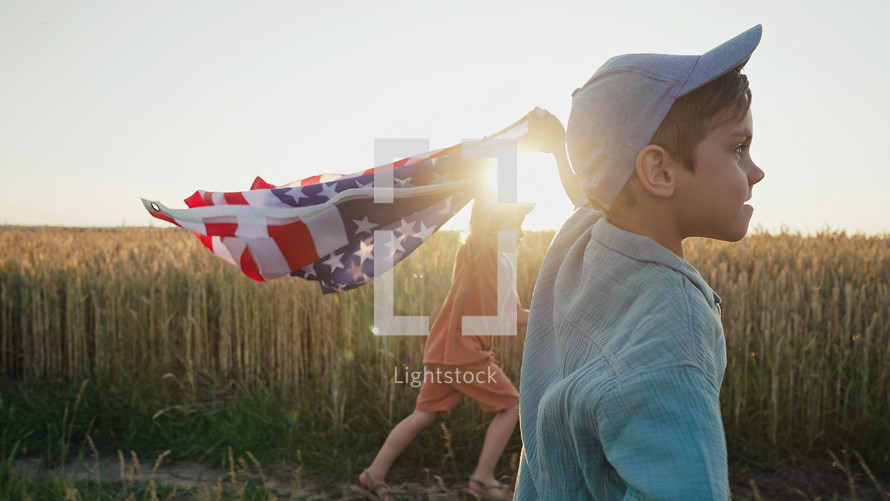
x,y
655,171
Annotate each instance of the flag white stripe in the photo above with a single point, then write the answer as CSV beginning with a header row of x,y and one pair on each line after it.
x,y
221,250
268,257
327,230
235,246
196,226
260,197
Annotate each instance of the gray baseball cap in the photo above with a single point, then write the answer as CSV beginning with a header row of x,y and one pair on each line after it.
x,y
616,113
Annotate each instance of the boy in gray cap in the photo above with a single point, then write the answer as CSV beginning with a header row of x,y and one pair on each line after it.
x,y
625,354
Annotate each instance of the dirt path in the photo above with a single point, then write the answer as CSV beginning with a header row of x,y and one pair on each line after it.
x,y
801,483
203,479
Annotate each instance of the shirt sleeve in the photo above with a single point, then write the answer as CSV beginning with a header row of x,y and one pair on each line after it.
x,y
663,433
582,202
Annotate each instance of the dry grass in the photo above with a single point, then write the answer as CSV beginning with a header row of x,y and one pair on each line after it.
x,y
806,322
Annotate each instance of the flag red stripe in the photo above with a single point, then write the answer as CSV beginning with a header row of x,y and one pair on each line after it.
x,y
161,215
310,180
195,200
235,198
249,267
261,184
296,244
205,239
221,229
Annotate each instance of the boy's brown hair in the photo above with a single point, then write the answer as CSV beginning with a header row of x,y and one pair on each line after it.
x,y
697,113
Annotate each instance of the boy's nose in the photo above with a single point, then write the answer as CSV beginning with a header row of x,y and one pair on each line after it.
x,y
755,174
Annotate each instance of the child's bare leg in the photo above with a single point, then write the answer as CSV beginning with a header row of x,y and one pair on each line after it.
x,y
496,438
399,438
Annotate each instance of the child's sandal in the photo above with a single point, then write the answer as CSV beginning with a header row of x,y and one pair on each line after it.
x,y
490,492
374,490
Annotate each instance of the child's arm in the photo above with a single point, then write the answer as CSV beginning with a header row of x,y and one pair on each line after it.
x,y
522,316
521,313
480,216
664,436
546,134
570,183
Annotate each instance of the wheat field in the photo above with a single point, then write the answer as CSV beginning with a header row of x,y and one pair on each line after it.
x,y
807,322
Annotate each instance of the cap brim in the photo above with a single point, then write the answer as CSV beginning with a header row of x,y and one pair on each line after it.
x,y
719,60
511,211
515,208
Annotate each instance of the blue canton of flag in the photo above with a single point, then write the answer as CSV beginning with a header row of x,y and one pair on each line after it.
x,y
423,200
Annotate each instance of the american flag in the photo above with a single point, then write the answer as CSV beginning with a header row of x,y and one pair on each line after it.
x,y
322,227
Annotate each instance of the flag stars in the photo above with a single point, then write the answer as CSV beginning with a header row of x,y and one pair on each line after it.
x,y
328,191
406,228
365,252
364,226
308,270
369,184
334,262
395,245
296,194
439,178
446,209
424,232
356,271
403,182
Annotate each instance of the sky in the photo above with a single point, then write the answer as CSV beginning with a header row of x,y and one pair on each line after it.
x,y
104,102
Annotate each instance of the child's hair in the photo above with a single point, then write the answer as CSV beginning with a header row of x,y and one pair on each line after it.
x,y
487,217
694,115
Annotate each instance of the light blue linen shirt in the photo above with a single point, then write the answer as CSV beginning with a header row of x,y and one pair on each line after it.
x,y
621,373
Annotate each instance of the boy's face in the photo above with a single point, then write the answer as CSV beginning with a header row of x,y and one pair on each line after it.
x,y
712,199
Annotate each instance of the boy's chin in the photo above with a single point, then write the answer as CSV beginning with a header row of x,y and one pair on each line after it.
x,y
735,234
729,233
736,238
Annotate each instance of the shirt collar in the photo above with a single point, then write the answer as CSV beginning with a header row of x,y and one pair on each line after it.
x,y
645,249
